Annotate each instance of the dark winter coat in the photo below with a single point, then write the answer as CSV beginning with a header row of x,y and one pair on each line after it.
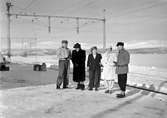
x,y
94,63
78,60
123,60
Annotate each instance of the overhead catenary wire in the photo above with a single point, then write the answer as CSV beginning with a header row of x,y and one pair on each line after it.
x,y
54,16
127,12
64,17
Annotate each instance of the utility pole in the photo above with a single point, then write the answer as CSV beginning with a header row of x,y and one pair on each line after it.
x,y
104,29
77,19
8,5
49,24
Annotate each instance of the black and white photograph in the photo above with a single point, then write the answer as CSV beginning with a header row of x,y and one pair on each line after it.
x,y
83,58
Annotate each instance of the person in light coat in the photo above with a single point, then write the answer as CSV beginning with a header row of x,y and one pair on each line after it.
x,y
108,73
64,55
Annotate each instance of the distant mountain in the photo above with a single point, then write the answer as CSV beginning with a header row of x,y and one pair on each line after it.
x,y
53,51
159,50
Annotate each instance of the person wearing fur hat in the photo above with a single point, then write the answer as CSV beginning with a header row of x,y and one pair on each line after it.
x,y
78,60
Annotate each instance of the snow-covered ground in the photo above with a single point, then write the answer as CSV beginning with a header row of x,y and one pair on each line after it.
x,y
47,102
29,94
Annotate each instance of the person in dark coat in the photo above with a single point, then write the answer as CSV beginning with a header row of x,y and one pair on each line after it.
x,y
78,60
94,67
123,59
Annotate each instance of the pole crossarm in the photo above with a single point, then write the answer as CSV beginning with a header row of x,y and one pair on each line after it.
x,y
70,17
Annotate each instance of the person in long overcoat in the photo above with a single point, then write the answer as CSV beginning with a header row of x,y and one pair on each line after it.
x,y
78,60
108,73
94,67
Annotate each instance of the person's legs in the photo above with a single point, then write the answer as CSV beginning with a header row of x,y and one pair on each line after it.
x,y
65,77
91,79
122,80
119,81
76,77
78,85
61,74
97,79
68,73
107,86
82,86
111,84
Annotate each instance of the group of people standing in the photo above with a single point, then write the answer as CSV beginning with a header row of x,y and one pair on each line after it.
x,y
112,63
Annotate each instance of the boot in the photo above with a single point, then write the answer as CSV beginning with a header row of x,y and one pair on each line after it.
x,y
107,91
82,87
90,89
96,89
57,87
110,91
65,86
78,86
121,96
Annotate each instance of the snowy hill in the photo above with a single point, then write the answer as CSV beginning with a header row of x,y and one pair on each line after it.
x,y
53,51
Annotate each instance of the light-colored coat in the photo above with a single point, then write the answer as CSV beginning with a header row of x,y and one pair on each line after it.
x,y
123,59
63,53
107,61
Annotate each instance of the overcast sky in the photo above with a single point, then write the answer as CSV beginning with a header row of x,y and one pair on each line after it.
x,y
139,23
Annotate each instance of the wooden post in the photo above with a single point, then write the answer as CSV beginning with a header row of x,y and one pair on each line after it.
x,y
49,24
104,30
8,5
